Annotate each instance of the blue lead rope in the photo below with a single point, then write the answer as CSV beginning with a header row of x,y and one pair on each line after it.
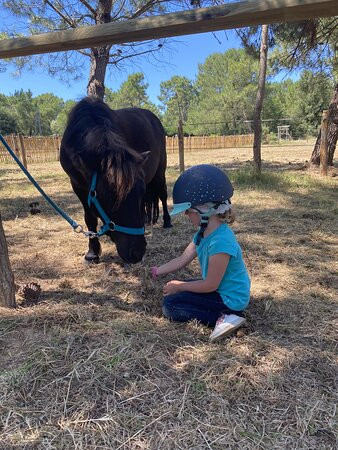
x,y
72,222
108,224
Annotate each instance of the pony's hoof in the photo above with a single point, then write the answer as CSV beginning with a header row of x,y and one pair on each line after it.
x,y
91,259
167,225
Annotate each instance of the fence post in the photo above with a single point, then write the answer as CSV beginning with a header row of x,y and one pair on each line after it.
x,y
15,145
181,145
323,144
23,151
56,147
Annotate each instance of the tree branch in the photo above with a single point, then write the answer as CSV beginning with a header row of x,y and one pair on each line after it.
x,y
70,21
132,56
143,9
84,53
88,6
118,12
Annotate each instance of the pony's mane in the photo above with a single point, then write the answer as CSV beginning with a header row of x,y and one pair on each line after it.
x,y
102,148
120,164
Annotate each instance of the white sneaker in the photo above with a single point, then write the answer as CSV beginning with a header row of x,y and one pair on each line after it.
x,y
225,325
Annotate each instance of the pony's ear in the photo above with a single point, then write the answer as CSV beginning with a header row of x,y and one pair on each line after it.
x,y
145,156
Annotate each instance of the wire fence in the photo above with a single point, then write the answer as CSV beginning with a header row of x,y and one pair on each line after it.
x,y
282,129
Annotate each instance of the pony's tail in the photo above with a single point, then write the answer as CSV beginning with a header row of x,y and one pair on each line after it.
x,y
152,210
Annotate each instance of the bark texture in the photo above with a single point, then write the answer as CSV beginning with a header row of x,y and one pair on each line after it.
x,y
7,287
99,56
332,133
257,123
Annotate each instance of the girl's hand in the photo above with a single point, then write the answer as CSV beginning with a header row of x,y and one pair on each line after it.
x,y
172,287
154,272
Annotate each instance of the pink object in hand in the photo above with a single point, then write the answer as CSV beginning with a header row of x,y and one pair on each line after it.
x,y
154,272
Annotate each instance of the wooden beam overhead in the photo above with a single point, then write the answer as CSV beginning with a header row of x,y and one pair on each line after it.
x,y
223,17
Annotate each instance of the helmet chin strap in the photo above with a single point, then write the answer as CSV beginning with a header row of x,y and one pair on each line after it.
x,y
203,226
205,216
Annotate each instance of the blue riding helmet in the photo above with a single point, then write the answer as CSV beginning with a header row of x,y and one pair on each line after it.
x,y
200,184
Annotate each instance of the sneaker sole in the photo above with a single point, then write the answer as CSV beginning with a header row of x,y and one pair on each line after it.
x,y
228,331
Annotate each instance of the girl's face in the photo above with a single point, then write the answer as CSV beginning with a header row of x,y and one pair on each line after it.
x,y
194,217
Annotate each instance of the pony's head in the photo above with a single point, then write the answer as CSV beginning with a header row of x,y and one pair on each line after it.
x,y
120,190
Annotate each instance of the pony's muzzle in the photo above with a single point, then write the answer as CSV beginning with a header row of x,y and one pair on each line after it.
x,y
131,250
136,254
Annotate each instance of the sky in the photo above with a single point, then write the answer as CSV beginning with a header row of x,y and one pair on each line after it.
x,y
185,53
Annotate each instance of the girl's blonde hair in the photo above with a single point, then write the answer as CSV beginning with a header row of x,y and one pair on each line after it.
x,y
227,216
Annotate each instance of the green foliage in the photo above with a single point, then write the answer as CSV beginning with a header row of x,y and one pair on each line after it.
x,y
58,125
268,137
49,106
176,95
7,121
301,102
23,111
276,98
219,101
132,93
226,85
313,96
310,44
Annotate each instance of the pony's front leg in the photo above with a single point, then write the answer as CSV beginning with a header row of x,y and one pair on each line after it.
x,y
94,247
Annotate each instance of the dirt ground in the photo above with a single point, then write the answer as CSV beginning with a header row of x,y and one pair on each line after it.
x,y
94,365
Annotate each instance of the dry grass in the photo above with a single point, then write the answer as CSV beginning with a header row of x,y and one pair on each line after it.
x,y
95,366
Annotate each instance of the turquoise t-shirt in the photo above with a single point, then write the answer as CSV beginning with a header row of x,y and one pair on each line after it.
x,y
235,285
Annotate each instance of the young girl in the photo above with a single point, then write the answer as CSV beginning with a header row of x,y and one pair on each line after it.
x,y
203,193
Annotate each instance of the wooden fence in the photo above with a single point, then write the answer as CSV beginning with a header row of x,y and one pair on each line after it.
x,y
36,148
46,148
192,143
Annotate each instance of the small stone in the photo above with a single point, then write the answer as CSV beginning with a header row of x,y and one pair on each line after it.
x,y
35,211
240,333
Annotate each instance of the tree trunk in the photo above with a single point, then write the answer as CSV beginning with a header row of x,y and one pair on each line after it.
x,y
316,151
332,133
257,123
98,66
7,288
323,144
181,145
100,55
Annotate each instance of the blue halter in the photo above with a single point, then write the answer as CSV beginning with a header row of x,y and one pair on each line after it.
x,y
108,224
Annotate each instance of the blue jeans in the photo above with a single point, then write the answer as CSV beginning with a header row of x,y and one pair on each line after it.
x,y
204,307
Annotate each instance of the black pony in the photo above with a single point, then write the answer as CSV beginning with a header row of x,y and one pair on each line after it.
x,y
116,162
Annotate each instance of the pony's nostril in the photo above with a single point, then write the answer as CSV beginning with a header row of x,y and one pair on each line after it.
x,y
135,255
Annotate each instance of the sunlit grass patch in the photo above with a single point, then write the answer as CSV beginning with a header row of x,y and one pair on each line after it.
x,y
248,179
